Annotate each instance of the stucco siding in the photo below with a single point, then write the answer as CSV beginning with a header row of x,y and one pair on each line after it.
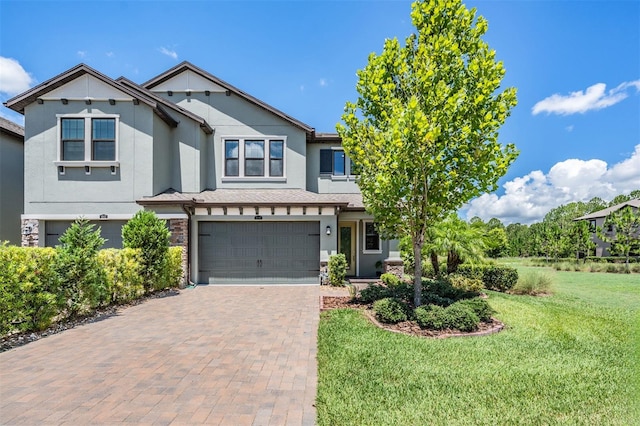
x,y
162,157
11,187
326,183
48,191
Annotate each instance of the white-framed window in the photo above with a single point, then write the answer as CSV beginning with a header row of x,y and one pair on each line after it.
x,y
371,238
254,157
87,139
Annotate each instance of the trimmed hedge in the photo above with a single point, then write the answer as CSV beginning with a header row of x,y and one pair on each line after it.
x,y
390,310
31,295
458,316
494,277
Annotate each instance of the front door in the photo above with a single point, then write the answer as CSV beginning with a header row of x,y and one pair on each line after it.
x,y
347,245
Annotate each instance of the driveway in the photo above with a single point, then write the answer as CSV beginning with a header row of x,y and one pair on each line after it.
x,y
210,355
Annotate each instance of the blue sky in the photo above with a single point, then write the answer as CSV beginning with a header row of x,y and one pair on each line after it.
x,y
576,65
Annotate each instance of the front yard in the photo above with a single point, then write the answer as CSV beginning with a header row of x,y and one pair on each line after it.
x,y
570,358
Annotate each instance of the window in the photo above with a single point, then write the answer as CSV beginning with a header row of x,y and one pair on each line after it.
x,y
251,157
592,225
371,238
87,138
333,162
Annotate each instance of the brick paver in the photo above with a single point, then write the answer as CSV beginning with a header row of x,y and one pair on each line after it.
x,y
210,355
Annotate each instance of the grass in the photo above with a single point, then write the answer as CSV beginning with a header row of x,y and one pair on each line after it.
x,y
571,358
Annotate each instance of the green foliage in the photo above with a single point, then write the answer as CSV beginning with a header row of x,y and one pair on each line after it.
x,y
480,307
337,269
28,288
458,316
390,310
172,274
390,280
533,283
625,235
499,278
123,270
430,317
470,285
374,292
424,130
81,280
147,232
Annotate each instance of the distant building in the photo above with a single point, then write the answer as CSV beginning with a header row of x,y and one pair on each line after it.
x,y
596,219
11,180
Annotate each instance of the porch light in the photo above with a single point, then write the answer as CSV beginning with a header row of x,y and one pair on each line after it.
x,y
328,230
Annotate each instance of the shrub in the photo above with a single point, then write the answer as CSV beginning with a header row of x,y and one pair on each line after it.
x,y
443,288
471,285
374,292
337,269
480,307
172,274
430,317
390,280
82,281
499,278
123,270
471,271
533,283
390,310
147,232
461,317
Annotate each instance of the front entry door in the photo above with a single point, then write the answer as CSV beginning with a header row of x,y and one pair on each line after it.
x,y
347,245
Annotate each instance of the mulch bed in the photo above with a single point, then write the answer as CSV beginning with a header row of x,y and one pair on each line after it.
x,y
406,327
18,339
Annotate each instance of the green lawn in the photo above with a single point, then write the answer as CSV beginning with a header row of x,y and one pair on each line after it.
x,y
571,358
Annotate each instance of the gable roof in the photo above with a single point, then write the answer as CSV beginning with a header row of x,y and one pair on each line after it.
x,y
157,99
606,212
11,128
178,69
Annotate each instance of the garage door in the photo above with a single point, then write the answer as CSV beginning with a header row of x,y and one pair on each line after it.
x,y
110,230
259,252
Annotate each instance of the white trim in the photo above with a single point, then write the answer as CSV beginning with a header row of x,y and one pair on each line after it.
x,y
88,141
364,237
118,216
266,159
357,248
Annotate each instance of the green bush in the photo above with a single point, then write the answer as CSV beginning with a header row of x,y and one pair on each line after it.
x,y
390,310
533,283
471,285
430,317
374,292
123,270
172,274
499,278
471,271
480,307
81,279
28,289
147,232
461,317
337,269
390,280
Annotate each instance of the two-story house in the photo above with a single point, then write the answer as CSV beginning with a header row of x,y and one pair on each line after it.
x,y
597,219
11,180
251,193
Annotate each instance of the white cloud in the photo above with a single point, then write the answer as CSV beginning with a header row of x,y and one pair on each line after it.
x,y
594,98
13,78
171,53
527,199
82,53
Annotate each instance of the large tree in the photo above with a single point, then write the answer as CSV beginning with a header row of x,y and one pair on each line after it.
x,y
424,130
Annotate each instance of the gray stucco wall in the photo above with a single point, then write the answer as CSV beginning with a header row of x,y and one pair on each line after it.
x,y
232,116
11,187
49,192
327,184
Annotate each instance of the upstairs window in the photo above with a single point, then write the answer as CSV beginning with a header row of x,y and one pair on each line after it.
x,y
254,157
333,162
88,138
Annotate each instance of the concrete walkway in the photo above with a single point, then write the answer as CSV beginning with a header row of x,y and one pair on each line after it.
x,y
210,355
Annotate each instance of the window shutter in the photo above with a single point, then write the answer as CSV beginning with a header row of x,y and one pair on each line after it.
x,y
326,159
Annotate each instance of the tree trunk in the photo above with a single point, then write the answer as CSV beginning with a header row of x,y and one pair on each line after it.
x,y
417,277
434,263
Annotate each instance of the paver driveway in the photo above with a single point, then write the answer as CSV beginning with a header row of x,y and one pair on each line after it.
x,y
210,355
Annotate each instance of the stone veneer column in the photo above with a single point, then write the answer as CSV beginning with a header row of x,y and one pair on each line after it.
x,y
30,231
394,264
179,229
324,272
